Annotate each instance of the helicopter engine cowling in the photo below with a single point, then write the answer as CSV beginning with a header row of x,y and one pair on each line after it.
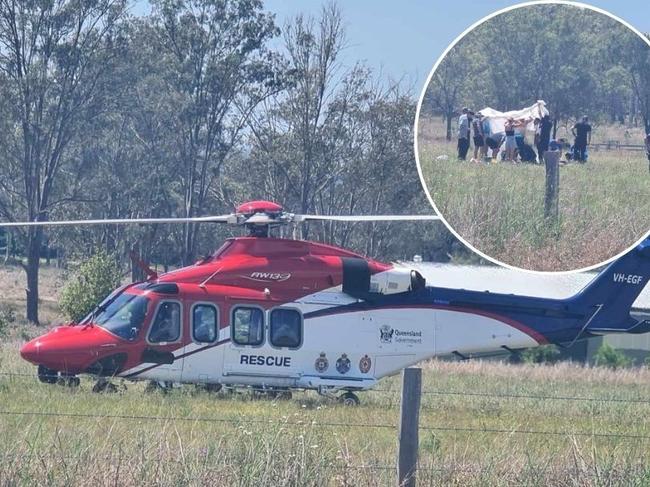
x,y
396,281
359,281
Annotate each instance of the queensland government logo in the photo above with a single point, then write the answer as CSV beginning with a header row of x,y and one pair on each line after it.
x,y
386,334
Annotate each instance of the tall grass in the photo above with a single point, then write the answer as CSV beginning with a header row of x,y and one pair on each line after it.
x,y
190,437
499,208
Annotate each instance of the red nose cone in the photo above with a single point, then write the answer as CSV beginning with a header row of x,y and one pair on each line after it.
x,y
29,351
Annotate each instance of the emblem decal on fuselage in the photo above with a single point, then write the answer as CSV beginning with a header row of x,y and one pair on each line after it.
x,y
268,276
321,364
386,334
343,364
364,364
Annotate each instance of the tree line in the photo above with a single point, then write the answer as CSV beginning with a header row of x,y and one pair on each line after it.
x,y
577,60
188,111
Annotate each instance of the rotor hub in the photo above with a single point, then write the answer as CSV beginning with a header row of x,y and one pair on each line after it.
x,y
259,206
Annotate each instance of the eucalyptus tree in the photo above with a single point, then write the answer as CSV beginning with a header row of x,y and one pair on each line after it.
x,y
216,67
55,57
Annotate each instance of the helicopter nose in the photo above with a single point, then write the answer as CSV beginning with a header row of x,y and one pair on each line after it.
x,y
30,351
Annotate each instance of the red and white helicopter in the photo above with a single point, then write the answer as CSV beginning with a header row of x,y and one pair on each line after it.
x,y
279,314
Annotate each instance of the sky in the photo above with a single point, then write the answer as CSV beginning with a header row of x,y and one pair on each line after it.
x,y
405,38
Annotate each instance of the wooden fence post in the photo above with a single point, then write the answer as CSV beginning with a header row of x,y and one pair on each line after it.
x,y
552,195
408,427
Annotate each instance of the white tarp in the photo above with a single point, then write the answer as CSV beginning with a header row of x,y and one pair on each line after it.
x,y
497,119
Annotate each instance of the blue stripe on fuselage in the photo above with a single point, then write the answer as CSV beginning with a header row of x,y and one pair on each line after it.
x,y
551,318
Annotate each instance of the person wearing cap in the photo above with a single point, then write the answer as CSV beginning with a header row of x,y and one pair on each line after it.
x,y
463,134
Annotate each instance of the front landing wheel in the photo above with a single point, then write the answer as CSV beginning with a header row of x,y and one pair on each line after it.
x,y
47,376
102,385
349,399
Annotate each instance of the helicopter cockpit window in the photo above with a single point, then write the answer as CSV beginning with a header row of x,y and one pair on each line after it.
x,y
286,328
248,326
123,316
167,324
204,323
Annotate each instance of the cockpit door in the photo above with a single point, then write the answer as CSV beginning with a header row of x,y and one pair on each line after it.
x,y
164,340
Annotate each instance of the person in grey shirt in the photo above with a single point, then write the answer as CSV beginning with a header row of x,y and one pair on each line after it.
x,y
463,134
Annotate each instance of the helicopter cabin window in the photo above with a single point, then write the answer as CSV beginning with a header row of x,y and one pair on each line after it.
x,y
247,326
204,323
167,323
122,315
286,328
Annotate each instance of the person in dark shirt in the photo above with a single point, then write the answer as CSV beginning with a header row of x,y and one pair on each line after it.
x,y
582,133
543,137
479,138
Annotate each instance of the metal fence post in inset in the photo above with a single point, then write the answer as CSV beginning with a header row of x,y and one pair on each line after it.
x,y
552,195
408,427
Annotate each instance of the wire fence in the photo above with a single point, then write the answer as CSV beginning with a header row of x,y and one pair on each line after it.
x,y
294,423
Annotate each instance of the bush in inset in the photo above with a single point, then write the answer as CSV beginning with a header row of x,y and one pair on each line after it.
x,y
608,356
546,354
93,281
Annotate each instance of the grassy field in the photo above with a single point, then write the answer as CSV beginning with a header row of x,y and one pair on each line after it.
x,y
498,208
482,423
56,436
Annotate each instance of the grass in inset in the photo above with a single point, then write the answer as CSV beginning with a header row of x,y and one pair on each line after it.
x,y
499,207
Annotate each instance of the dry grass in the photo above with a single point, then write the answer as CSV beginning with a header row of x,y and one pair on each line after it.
x,y
235,439
498,208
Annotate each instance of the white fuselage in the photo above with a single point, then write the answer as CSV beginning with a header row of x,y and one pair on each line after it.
x,y
342,349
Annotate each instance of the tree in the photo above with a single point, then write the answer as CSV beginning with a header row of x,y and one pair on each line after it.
x,y
217,69
447,85
94,280
54,58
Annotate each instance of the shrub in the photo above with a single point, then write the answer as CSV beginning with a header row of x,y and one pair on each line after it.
x,y
608,356
546,354
93,281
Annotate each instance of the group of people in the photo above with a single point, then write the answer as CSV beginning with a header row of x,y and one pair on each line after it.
x,y
512,143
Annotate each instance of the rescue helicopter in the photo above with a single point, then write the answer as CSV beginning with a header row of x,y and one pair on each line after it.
x,y
280,314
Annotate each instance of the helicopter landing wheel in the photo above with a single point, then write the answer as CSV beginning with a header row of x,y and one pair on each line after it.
x,y
213,388
71,381
102,385
349,399
47,376
282,395
159,386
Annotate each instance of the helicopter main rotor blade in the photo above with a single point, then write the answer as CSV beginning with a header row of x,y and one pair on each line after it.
x,y
123,221
365,218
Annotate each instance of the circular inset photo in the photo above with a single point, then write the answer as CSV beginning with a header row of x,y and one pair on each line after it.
x,y
533,137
